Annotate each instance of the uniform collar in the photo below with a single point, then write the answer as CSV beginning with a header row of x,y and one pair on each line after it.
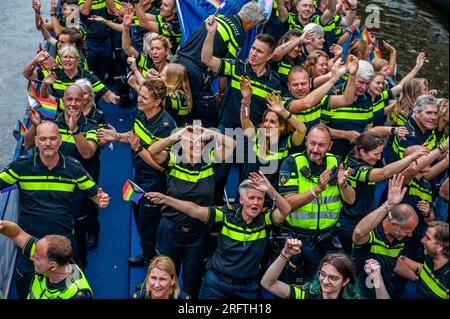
x,y
248,69
62,75
37,162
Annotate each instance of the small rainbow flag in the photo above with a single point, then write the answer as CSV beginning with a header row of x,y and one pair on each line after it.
x,y
132,192
47,107
216,3
365,35
19,130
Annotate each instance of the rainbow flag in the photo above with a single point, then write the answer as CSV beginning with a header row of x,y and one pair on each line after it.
x,y
365,35
216,3
47,107
19,130
132,192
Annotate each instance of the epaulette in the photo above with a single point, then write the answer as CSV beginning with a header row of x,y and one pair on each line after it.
x,y
71,159
23,157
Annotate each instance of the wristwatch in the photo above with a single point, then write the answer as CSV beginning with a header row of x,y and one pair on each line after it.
x,y
139,149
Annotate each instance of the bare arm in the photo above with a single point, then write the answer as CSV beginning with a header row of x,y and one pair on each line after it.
x,y
436,169
347,192
207,57
283,13
443,191
13,231
85,8
246,91
270,279
419,63
329,13
349,94
379,174
373,271
408,268
189,208
283,49
422,162
147,21
372,220
29,71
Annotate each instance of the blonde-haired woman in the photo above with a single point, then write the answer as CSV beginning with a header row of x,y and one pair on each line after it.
x,y
178,101
161,281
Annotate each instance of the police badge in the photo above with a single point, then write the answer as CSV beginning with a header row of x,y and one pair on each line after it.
x,y
284,177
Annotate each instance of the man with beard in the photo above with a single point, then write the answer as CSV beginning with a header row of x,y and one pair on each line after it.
x,y
313,183
46,182
432,275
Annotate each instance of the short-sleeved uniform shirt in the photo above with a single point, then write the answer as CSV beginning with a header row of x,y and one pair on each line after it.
x,y
69,147
261,86
46,196
62,81
28,250
332,29
378,248
240,246
191,183
283,67
437,287
144,63
396,146
228,40
96,31
149,131
177,104
271,161
379,103
170,29
354,117
301,292
364,188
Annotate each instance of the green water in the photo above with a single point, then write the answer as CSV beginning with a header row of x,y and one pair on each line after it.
x,y
412,26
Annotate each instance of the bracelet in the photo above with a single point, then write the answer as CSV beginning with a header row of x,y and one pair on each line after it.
x,y
139,149
284,257
276,196
386,206
288,117
333,81
52,14
313,192
117,139
349,32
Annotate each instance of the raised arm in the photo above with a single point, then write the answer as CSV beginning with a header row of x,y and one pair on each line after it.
x,y
437,168
225,145
13,231
126,39
347,192
372,220
270,279
373,271
207,57
147,21
379,174
316,95
329,13
189,208
262,184
419,64
349,94
274,104
283,49
85,147
85,8
283,13
115,26
29,71
41,27
246,91
443,191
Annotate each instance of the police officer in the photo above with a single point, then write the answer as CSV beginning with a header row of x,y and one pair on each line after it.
x,y
381,235
190,176
347,122
242,240
46,182
55,276
431,276
80,142
421,127
313,183
98,43
151,123
228,41
165,23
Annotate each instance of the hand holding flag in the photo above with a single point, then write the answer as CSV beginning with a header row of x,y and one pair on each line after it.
x,y
19,130
132,192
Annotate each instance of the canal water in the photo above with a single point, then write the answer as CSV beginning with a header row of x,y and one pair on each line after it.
x,y
409,25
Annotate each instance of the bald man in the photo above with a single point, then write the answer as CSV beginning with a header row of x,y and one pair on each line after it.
x,y
46,181
381,235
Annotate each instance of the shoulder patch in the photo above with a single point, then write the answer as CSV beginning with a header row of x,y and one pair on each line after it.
x,y
284,177
167,26
23,157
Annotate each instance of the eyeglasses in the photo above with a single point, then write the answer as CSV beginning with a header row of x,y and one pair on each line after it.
x,y
331,278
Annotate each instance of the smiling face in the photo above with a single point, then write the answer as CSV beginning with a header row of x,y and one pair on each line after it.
x,y
317,42
331,281
167,8
320,67
69,62
145,100
305,9
377,85
252,203
427,118
271,125
159,283
371,157
432,248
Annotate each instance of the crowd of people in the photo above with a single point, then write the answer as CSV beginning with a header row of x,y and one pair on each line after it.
x,y
343,183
